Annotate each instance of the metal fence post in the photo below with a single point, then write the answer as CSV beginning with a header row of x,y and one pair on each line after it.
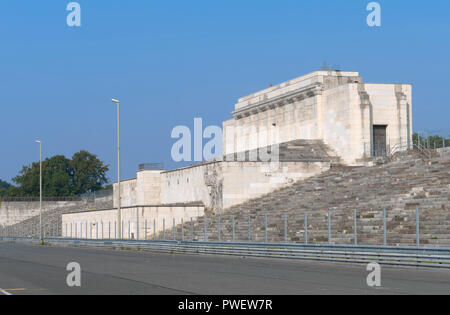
x,y
164,229
205,237
384,228
285,229
355,227
109,229
218,228
233,231
96,230
146,229
265,229
182,229
154,229
329,227
417,227
249,229
192,231
306,228
137,224
173,229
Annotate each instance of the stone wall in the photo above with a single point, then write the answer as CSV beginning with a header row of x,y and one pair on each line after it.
x,y
15,212
245,181
145,189
143,222
219,185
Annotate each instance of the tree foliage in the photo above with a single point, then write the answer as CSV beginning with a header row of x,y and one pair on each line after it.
x,y
431,141
61,176
4,186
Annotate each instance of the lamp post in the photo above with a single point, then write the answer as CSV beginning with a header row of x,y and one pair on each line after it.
x,y
40,190
119,215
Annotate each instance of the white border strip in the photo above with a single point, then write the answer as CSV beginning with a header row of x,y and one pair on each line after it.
x,y
4,292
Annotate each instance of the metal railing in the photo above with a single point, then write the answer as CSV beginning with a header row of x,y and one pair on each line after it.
x,y
98,194
388,255
151,166
319,227
36,199
352,236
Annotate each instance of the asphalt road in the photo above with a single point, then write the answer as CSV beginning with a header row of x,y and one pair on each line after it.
x,y
30,269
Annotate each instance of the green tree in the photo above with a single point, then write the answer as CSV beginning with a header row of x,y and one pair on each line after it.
x,y
62,176
430,141
89,173
4,187
56,178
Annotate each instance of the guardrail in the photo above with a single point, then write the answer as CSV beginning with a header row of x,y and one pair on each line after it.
x,y
386,255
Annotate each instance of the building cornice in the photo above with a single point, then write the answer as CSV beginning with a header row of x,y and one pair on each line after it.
x,y
279,101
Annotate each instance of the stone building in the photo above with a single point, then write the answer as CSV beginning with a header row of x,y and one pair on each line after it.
x,y
313,121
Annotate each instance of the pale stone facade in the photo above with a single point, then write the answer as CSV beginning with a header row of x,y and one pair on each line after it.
x,y
143,222
334,110
333,106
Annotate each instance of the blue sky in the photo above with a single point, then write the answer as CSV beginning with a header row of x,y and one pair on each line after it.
x,y
171,61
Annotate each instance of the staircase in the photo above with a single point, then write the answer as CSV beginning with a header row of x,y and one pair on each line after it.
x,y
398,186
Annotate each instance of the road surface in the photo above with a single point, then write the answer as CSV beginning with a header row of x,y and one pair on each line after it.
x,y
33,269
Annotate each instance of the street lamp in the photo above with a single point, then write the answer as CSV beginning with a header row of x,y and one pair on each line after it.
x,y
119,215
40,190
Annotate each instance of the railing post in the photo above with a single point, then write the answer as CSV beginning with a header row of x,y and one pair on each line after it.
x,y
355,227
417,227
109,230
384,228
329,227
164,229
154,229
192,231
129,229
146,229
218,228
233,229
249,229
306,228
96,230
285,229
182,229
174,233
137,224
265,228
205,237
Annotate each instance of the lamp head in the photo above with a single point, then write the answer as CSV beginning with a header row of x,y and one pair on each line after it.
x,y
115,101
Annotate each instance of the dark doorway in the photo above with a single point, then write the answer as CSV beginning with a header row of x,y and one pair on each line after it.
x,y
379,140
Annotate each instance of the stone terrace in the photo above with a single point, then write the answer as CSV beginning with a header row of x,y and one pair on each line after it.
x,y
52,219
398,186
